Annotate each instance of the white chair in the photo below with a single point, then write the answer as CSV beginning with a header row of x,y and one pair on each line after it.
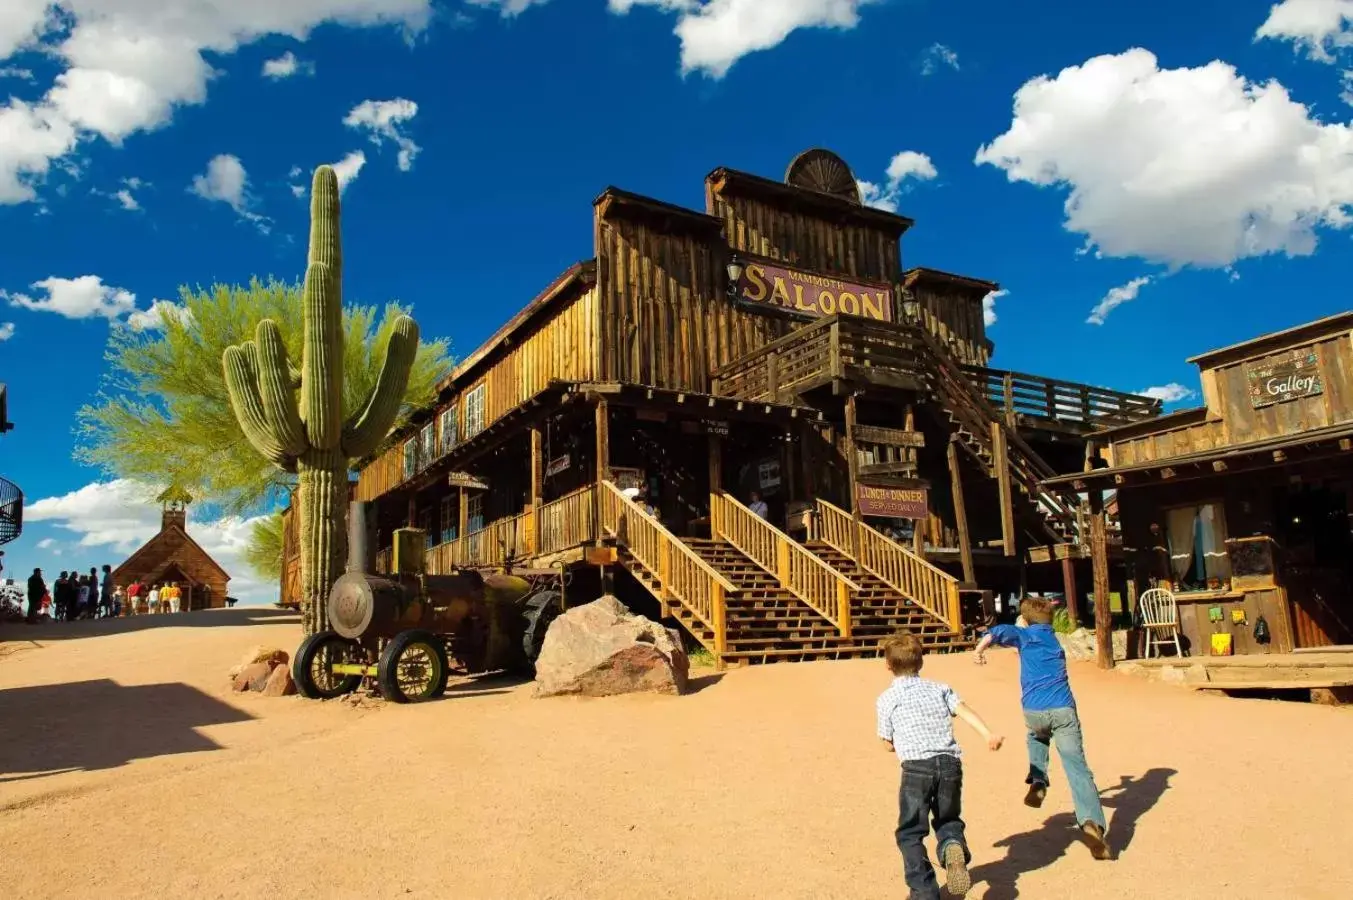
x,y
1160,618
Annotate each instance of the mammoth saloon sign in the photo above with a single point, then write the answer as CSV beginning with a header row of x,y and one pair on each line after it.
x,y
814,295
1280,380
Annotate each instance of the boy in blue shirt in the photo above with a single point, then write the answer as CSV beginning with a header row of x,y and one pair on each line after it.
x,y
1050,715
916,722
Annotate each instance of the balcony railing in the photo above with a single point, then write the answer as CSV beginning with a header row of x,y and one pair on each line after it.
x,y
894,354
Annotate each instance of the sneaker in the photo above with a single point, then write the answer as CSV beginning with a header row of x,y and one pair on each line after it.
x,y
956,870
1094,836
1036,794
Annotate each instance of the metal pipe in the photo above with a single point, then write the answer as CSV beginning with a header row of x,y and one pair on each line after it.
x,y
361,558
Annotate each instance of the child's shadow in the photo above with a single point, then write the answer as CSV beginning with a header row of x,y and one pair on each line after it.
x,y
1030,851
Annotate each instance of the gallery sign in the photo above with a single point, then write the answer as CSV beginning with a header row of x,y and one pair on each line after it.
x,y
815,295
1278,381
892,502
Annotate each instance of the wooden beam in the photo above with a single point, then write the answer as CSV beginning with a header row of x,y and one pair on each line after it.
x,y
1001,464
853,466
1073,603
537,486
960,513
463,525
603,452
1099,561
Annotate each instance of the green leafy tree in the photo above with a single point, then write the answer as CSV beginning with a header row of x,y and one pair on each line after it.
x,y
264,553
163,414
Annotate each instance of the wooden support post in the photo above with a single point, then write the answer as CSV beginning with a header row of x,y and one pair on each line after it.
x,y
1008,397
1001,464
918,536
464,511
715,484
1099,557
1130,607
773,377
853,467
1073,604
537,487
413,511
603,436
961,514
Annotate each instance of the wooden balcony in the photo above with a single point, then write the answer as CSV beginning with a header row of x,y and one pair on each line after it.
x,y
892,354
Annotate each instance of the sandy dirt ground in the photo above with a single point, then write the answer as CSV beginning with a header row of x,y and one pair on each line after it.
x,y
128,769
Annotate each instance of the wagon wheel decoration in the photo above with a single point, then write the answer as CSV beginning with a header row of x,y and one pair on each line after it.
x,y
413,667
825,172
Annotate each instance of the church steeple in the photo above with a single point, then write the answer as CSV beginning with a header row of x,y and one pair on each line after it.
x,y
174,505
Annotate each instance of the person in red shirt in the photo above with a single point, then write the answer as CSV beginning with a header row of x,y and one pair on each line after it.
x,y
133,597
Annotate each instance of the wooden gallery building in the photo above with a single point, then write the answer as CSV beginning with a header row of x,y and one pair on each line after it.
x,y
629,422
1240,507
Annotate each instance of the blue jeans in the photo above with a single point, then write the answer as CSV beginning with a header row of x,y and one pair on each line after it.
x,y
930,788
1063,727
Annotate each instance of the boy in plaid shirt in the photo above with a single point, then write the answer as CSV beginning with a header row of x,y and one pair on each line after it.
x,y
915,720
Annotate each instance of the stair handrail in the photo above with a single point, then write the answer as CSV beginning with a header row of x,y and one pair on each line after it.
x,y
917,579
668,559
949,374
797,568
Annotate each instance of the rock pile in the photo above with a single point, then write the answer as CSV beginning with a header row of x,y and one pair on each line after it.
x,y
601,648
263,670
1080,644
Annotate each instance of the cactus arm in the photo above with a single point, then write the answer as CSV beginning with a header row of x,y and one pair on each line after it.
x,y
274,381
241,377
322,310
293,375
367,429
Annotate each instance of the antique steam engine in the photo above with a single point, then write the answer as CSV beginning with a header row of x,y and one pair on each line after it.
x,y
405,629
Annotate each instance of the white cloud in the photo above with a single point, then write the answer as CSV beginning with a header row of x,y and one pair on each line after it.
x,y
904,166
16,72
128,202
124,196
1168,393
160,312
75,298
126,65
717,33
117,517
226,181
384,120
6,330
345,170
1318,26
286,66
989,307
508,8
937,55
1116,297
1178,166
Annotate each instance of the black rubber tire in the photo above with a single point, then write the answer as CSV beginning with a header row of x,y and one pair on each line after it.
x,y
387,673
304,661
540,610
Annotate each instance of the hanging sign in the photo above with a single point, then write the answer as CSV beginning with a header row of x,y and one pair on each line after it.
x,y
768,474
467,481
815,295
1278,381
557,465
712,427
892,502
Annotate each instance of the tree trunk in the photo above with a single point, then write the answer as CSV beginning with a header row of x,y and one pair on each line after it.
x,y
323,506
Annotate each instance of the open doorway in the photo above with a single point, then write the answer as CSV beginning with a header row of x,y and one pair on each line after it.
x,y
1313,533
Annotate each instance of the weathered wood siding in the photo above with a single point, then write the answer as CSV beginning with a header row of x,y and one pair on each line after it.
x,y
664,318
955,317
1231,419
807,241
562,347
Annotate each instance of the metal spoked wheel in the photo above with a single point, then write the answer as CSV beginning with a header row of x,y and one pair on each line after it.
x,y
413,668
312,669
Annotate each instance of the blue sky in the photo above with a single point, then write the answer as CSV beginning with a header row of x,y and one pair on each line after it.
x,y
1204,143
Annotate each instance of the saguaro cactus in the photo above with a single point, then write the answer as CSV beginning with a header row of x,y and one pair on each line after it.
x,y
310,438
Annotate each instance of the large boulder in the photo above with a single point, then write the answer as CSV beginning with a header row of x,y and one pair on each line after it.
x,y
601,648
279,683
260,654
253,677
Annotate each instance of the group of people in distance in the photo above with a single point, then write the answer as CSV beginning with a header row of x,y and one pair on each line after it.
x,y
75,596
915,720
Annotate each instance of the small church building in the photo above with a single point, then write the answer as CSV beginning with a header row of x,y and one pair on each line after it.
x,y
173,557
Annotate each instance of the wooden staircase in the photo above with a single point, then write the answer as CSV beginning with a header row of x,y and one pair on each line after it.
x,y
992,443
878,610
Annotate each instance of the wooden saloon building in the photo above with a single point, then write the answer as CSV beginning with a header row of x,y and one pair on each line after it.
x,y
618,426
1241,506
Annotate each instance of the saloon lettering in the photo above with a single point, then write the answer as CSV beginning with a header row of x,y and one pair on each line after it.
x,y
814,294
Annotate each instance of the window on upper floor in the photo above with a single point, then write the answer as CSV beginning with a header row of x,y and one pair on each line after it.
x,y
410,457
474,411
426,441
450,435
